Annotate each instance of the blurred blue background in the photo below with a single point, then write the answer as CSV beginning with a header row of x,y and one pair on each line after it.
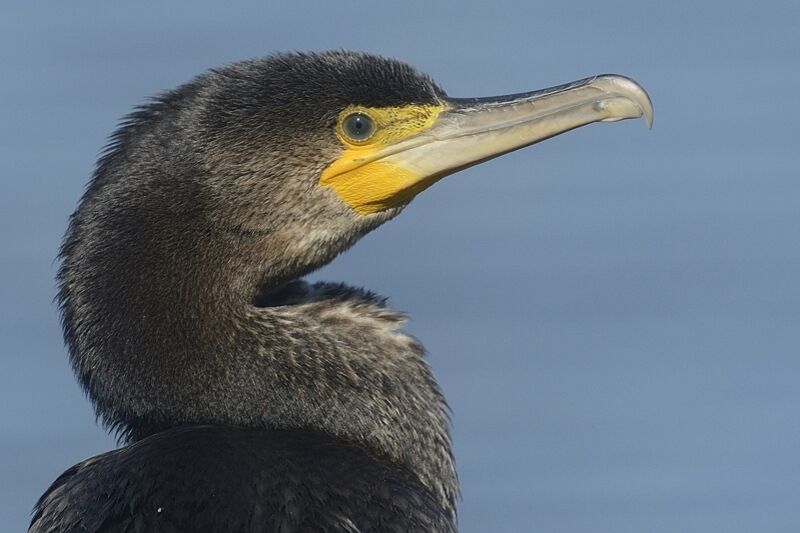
x,y
614,314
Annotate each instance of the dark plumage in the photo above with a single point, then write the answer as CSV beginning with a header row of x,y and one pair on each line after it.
x,y
212,478
203,207
249,399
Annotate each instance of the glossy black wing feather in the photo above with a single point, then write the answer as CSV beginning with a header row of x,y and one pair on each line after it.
x,y
212,478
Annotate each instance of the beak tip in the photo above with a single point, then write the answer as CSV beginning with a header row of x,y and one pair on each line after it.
x,y
629,89
647,113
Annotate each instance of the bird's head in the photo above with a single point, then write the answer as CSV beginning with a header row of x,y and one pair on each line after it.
x,y
317,149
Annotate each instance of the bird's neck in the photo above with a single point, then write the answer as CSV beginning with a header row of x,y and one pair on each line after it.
x,y
180,336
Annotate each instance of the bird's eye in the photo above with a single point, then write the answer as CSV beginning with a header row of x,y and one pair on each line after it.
x,y
358,127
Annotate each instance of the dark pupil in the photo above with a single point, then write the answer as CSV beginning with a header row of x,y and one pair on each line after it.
x,y
358,126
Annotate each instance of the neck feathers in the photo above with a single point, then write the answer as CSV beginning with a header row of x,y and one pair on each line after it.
x,y
157,348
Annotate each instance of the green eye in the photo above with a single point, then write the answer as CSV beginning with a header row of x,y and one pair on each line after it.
x,y
358,127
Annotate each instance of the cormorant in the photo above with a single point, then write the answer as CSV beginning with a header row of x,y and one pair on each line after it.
x,y
249,399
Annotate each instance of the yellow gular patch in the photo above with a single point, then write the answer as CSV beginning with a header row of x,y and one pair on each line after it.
x,y
360,178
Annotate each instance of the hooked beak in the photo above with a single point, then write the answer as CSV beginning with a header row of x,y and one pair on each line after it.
x,y
473,130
